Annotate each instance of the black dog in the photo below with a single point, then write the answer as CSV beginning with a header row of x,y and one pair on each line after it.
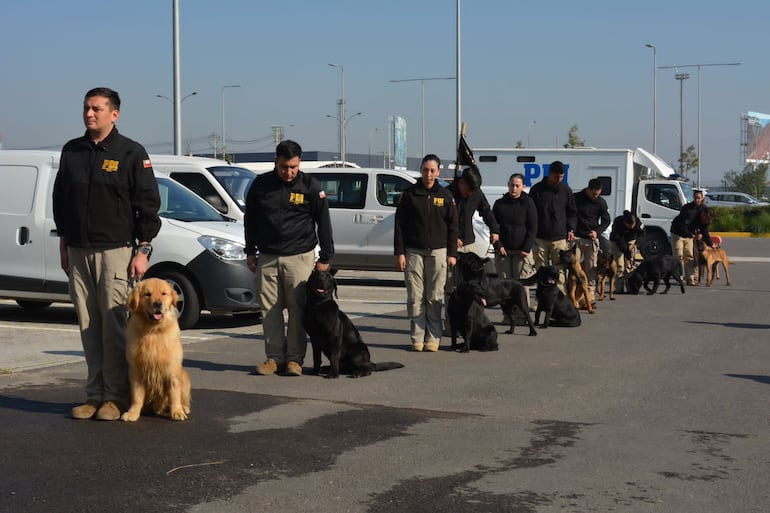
x,y
506,293
654,269
467,317
559,310
333,334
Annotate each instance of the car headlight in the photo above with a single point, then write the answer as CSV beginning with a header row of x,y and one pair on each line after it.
x,y
223,249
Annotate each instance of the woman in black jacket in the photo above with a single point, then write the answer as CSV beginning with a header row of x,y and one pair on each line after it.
x,y
516,214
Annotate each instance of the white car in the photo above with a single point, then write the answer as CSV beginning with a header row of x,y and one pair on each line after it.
x,y
733,199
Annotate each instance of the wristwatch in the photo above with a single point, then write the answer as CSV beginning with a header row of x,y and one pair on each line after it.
x,y
145,249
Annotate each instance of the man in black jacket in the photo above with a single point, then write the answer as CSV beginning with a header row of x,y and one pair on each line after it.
x,y
626,229
593,217
283,210
105,206
682,236
425,243
556,218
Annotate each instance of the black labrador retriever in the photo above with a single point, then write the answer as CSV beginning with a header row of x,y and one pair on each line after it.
x,y
467,317
654,269
333,333
509,294
559,310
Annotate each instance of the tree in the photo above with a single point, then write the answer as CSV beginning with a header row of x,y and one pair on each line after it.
x,y
752,180
573,141
689,160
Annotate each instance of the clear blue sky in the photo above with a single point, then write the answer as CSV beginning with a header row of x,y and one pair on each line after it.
x,y
555,63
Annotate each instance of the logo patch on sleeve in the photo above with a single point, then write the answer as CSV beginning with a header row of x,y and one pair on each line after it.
x,y
146,163
322,194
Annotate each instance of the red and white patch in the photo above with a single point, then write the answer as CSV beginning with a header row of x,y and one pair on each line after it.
x,y
322,194
146,163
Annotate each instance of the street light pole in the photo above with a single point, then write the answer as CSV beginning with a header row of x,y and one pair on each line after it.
x,y
681,77
422,86
654,96
177,114
342,111
224,138
699,66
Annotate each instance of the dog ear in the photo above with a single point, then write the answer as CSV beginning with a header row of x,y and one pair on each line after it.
x,y
132,301
333,271
174,296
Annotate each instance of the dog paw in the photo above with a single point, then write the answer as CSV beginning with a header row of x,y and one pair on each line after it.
x,y
130,416
178,414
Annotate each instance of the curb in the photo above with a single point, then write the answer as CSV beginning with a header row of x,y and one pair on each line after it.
x,y
742,234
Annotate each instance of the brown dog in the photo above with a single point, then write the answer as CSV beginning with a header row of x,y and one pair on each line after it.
x,y
154,353
576,278
606,269
710,257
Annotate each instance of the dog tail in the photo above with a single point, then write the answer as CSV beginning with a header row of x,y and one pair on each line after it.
x,y
383,366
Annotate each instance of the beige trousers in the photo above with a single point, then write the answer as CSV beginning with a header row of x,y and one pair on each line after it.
x,y
425,278
280,285
98,285
546,252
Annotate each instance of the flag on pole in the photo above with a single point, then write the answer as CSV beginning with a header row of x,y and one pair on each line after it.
x,y
464,154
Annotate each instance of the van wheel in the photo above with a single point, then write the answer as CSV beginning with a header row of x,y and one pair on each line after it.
x,y
33,305
188,304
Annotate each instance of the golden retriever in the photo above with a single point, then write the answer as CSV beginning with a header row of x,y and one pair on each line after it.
x,y
154,353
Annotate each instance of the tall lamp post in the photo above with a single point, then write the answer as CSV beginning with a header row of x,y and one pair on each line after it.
x,y
681,77
342,110
654,96
699,66
170,100
422,86
224,138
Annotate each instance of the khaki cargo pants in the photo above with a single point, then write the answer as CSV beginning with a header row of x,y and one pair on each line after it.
x,y
98,282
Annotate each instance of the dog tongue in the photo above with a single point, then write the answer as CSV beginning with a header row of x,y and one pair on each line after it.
x,y
321,291
157,316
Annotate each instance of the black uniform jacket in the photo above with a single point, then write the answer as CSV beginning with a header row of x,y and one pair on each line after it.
x,y
518,222
475,202
281,217
105,195
592,215
426,219
556,210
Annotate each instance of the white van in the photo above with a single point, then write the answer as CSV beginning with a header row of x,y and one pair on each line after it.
x,y
197,250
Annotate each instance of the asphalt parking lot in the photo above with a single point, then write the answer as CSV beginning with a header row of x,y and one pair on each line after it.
x,y
654,404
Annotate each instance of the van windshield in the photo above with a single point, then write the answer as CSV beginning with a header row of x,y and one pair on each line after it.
x,y
180,203
235,180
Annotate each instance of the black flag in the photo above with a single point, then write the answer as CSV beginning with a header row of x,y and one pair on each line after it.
x,y
464,156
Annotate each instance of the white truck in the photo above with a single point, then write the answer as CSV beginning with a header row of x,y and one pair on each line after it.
x,y
634,180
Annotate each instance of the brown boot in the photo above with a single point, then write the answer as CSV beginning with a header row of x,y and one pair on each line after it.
x,y
267,368
110,410
86,410
293,369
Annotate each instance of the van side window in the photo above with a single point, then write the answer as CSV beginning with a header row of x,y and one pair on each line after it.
x,y
343,190
389,189
19,198
665,195
201,186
